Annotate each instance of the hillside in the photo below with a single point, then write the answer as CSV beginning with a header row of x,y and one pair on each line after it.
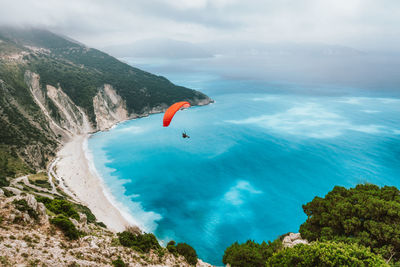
x,y
52,90
52,87
43,228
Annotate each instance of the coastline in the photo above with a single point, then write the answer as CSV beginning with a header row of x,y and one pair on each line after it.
x,y
73,167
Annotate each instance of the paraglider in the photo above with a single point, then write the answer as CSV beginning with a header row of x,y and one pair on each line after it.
x,y
170,113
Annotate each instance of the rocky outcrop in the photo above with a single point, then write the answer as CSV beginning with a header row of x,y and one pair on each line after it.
x,y
33,82
109,108
292,240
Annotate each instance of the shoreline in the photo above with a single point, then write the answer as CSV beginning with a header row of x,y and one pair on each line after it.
x,y
76,172
73,167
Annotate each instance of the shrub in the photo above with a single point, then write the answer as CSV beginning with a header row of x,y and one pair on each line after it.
x,y
367,215
142,242
188,252
325,255
119,263
60,206
66,226
89,215
171,247
101,224
4,181
23,206
7,193
250,253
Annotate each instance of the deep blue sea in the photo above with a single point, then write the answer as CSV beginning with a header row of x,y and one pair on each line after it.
x,y
254,157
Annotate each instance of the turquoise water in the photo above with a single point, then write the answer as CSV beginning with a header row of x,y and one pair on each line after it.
x,y
252,160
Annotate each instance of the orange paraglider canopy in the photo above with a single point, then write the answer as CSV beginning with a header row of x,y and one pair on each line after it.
x,y
170,112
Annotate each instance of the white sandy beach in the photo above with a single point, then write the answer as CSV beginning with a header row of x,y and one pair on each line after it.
x,y
73,167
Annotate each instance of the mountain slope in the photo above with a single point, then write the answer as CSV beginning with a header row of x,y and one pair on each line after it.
x,y
52,88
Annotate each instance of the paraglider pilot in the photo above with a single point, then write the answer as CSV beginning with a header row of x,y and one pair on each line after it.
x,y
184,135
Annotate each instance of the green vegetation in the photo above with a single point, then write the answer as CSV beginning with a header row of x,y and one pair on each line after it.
x,y
59,207
183,249
118,263
251,253
7,193
10,165
40,179
65,225
24,133
188,252
325,255
4,181
89,215
101,224
171,247
140,242
23,206
367,215
68,209
350,227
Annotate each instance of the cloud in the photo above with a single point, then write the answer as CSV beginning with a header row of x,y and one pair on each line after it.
x,y
363,24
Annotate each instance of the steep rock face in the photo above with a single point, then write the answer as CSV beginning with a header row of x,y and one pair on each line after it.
x,y
72,117
109,108
33,82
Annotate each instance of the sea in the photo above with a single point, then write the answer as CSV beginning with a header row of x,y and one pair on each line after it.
x,y
254,157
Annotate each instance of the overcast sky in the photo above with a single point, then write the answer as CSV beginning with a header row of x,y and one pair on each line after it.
x,y
363,24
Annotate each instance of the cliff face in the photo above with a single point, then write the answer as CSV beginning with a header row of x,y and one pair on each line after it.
x,y
109,108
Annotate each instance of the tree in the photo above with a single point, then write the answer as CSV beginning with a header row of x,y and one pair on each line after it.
x,y
367,215
188,252
250,253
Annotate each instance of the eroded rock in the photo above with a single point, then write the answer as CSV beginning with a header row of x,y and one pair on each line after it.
x,y
293,239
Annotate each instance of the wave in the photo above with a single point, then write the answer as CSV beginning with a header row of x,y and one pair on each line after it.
x,y
148,219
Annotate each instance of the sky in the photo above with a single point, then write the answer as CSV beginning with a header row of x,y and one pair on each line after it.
x,y
362,24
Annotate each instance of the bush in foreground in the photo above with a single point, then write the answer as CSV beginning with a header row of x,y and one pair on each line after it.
x,y
250,254
65,225
326,255
367,215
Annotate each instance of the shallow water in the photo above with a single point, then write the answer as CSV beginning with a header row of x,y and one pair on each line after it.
x,y
252,160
